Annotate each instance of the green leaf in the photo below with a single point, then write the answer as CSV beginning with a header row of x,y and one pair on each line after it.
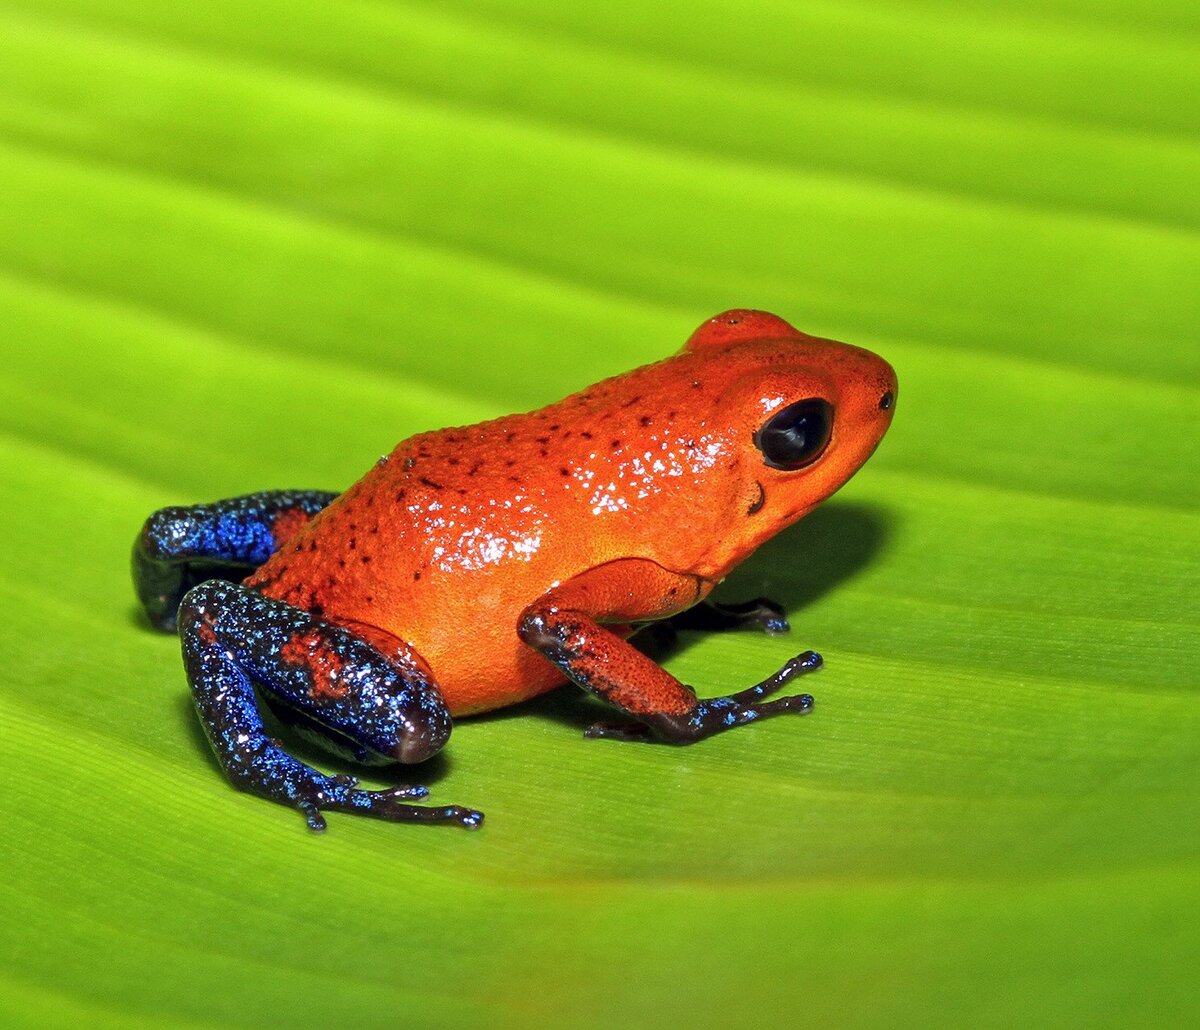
x,y
246,246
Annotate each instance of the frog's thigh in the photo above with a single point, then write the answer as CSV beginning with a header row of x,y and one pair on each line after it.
x,y
180,547
234,639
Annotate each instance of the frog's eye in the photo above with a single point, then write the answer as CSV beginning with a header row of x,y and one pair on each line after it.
x,y
796,435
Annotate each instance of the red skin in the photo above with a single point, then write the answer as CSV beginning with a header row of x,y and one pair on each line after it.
x,y
287,524
311,650
627,502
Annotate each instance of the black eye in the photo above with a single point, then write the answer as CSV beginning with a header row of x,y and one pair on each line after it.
x,y
885,401
796,436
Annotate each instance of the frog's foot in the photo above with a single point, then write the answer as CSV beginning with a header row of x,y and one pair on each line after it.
x,y
387,804
272,773
387,708
717,714
382,804
760,613
637,732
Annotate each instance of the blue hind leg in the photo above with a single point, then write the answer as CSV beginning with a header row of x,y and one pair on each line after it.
x,y
181,547
380,708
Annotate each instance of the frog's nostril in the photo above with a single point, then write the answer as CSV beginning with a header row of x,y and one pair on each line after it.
x,y
885,402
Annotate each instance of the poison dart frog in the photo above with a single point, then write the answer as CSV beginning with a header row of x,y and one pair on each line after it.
x,y
475,567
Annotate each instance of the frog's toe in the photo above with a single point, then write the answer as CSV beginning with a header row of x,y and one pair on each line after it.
x,y
340,794
800,665
414,790
391,805
763,613
471,819
801,704
312,816
774,625
387,807
630,731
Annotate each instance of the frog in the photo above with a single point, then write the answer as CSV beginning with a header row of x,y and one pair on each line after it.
x,y
476,567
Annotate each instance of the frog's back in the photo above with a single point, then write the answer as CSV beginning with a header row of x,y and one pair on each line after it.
x,y
449,538
442,544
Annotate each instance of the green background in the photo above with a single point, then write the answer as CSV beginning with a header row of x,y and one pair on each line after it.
x,y
251,245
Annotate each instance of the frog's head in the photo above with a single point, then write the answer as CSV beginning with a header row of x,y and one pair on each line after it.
x,y
802,414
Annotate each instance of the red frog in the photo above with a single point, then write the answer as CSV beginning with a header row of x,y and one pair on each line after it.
x,y
551,535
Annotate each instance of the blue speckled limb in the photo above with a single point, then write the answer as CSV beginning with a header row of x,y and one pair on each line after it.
x,y
235,639
183,546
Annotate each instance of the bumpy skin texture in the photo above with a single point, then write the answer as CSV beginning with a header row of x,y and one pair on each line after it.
x,y
486,564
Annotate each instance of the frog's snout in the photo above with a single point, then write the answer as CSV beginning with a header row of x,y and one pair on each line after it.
x,y
886,389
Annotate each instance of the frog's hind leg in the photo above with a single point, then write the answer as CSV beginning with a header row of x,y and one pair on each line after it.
x,y
381,707
181,547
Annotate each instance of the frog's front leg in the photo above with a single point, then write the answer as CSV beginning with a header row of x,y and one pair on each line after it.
x,y
565,626
385,707
180,547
